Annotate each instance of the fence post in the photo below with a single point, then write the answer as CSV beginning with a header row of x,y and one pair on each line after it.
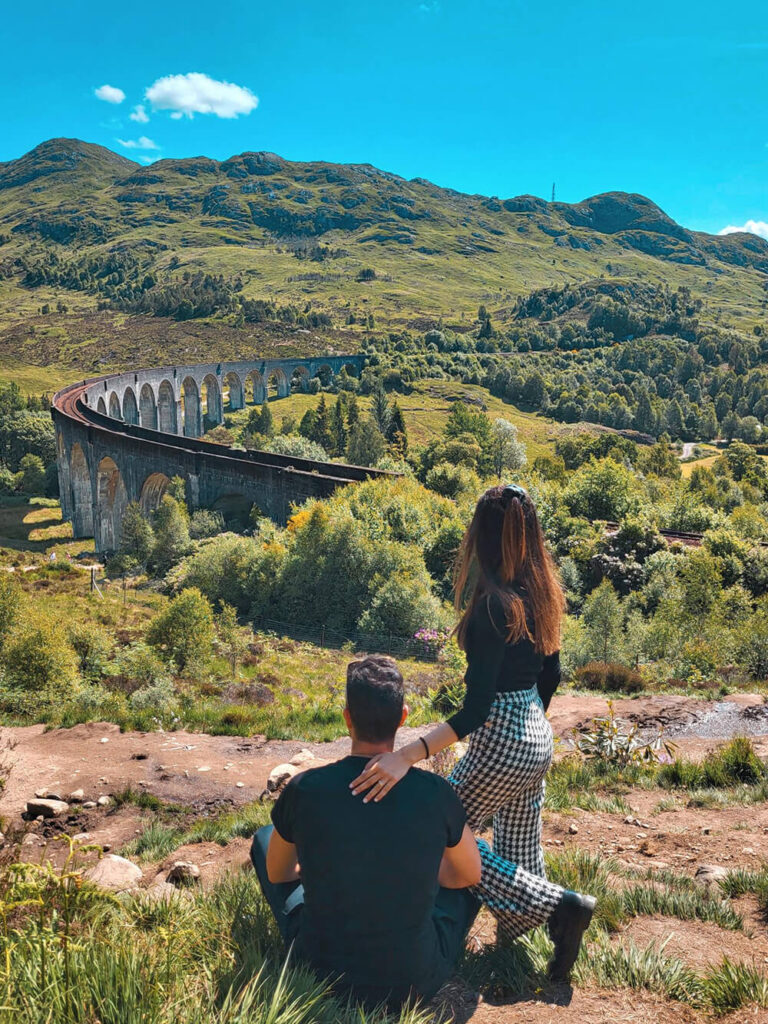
x,y
322,637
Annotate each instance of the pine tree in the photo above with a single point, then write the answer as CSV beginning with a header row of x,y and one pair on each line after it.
x,y
353,412
323,433
308,424
396,433
338,428
380,409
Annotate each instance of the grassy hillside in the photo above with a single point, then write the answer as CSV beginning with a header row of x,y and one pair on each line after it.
x,y
335,252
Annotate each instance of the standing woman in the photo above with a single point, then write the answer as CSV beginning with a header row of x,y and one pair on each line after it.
x,y
510,631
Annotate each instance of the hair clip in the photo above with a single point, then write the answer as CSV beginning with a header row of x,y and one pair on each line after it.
x,y
512,491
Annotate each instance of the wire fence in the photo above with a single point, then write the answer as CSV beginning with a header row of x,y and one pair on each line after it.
x,y
370,643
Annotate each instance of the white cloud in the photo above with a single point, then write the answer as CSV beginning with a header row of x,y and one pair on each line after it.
x,y
109,94
751,227
139,114
196,93
141,143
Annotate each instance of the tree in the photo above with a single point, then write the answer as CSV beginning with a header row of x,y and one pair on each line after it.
x,y
338,428
323,433
353,412
172,540
396,433
137,537
31,476
507,451
298,446
308,424
177,489
10,603
380,409
602,619
702,582
366,444
601,489
230,636
184,631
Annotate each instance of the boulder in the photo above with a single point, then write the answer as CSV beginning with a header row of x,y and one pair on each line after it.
x,y
89,805
279,776
117,874
104,801
46,808
77,796
302,757
183,872
710,874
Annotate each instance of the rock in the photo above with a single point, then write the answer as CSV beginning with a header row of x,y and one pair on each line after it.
x,y
114,873
302,757
81,837
163,890
41,794
104,739
104,801
279,776
183,872
77,796
204,768
30,839
573,829
240,785
89,805
710,874
46,808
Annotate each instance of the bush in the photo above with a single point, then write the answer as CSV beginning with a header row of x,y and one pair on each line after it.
x,y
452,481
138,665
735,763
93,646
40,669
205,523
159,699
184,631
608,677
234,570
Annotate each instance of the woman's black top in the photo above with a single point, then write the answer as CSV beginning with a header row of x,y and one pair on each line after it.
x,y
495,666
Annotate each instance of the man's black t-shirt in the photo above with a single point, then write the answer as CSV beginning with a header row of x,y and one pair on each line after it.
x,y
370,877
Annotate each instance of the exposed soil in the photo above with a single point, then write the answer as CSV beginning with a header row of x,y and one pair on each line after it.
x,y
201,774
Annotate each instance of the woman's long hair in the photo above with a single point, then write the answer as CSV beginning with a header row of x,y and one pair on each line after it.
x,y
503,554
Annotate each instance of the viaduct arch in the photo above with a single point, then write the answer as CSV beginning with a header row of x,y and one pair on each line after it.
x,y
121,438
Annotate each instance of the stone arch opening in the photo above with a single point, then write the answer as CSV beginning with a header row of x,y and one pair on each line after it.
x,y
82,492
325,375
255,388
300,379
166,408
277,384
147,407
130,407
114,406
101,406
190,408
235,510
233,395
351,369
210,402
112,499
152,491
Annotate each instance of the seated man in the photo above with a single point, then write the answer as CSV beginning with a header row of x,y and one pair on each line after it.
x,y
377,895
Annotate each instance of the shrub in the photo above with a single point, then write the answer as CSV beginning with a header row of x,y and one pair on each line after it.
x,y
735,763
40,668
452,481
184,631
93,646
234,570
205,523
159,699
608,677
10,600
136,666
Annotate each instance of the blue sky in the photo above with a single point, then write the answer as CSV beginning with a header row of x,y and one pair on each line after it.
x,y
490,96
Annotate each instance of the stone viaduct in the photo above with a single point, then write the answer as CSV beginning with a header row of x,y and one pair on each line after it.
x,y
122,437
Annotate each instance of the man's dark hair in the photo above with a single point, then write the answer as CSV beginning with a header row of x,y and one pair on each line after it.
x,y
374,698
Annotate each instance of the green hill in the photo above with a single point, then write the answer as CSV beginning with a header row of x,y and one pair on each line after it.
x,y
258,251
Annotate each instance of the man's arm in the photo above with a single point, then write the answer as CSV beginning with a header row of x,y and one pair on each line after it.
x,y
282,860
460,866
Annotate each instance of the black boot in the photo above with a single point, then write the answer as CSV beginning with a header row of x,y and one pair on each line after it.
x,y
569,920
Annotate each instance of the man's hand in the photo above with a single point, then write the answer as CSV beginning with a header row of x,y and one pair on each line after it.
x,y
380,774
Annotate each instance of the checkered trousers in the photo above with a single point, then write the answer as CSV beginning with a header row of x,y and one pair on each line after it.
x,y
501,779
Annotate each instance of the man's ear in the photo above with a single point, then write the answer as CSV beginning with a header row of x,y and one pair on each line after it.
x,y
348,720
405,714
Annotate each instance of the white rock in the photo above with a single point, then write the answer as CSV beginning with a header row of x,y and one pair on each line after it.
x,y
302,757
46,808
280,775
41,794
89,805
183,872
240,785
104,739
573,829
710,874
104,801
30,839
77,796
114,873
81,837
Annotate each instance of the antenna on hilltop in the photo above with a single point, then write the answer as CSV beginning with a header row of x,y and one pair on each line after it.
x,y
553,191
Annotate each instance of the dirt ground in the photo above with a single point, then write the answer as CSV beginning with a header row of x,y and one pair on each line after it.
x,y
208,774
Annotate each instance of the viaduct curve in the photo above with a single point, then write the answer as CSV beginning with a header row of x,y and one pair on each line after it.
x,y
120,438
